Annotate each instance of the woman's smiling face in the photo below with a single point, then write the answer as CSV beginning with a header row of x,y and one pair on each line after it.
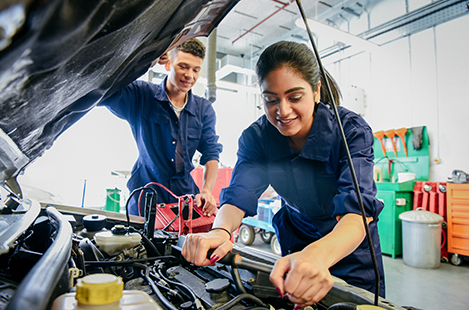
x,y
289,102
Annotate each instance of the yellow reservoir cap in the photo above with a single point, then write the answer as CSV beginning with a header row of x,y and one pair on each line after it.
x,y
369,307
99,289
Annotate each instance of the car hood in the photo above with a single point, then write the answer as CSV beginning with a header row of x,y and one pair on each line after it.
x,y
59,59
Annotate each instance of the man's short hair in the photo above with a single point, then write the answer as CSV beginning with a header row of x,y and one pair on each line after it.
x,y
191,46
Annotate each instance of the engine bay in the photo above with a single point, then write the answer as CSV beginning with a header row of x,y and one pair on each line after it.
x,y
46,249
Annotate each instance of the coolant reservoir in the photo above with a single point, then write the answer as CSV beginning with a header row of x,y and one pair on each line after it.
x,y
104,292
115,240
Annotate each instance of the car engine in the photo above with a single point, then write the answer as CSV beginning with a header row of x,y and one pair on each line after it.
x,y
58,60
45,249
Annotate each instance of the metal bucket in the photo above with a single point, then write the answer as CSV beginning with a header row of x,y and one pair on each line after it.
x,y
421,238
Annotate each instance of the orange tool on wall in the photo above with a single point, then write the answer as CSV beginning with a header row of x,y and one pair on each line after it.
x,y
401,134
390,134
380,135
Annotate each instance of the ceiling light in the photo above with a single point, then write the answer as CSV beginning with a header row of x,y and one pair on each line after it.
x,y
336,34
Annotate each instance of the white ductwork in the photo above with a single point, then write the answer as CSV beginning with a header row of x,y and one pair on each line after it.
x,y
232,64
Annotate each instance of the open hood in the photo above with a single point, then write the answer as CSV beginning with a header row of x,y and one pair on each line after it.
x,y
59,58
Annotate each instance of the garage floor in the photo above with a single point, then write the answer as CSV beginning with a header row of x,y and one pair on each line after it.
x,y
446,287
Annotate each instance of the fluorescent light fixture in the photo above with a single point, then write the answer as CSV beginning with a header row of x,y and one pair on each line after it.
x,y
336,34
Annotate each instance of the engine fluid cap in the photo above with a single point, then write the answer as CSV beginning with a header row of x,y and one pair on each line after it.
x,y
94,222
99,289
118,230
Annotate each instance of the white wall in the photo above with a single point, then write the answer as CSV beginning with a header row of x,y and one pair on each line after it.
x,y
89,150
417,80
235,112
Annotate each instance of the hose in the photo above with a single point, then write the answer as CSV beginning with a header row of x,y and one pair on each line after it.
x,y
237,280
160,272
154,287
126,262
147,242
130,196
238,298
167,288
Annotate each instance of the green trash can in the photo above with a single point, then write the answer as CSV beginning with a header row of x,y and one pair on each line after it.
x,y
113,200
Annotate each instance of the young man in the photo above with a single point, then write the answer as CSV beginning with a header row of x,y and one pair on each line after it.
x,y
169,124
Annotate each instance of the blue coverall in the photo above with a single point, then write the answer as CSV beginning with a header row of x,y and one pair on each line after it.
x,y
156,128
315,186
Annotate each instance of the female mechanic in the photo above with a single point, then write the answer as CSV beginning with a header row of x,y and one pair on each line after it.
x,y
296,147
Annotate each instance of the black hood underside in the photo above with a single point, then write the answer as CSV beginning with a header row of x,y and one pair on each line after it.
x,y
59,58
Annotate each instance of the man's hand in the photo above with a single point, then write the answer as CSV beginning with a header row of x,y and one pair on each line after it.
x,y
196,247
207,203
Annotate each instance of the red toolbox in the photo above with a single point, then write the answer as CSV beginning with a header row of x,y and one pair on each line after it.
x,y
182,217
458,220
431,196
223,180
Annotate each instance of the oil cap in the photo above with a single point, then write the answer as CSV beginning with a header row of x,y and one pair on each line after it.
x,y
99,289
94,222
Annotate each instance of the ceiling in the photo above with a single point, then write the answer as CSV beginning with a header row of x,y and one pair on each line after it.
x,y
252,25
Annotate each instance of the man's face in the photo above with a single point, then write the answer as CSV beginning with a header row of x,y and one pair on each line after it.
x,y
184,71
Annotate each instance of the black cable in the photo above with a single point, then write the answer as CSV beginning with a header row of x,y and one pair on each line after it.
x,y
168,289
184,204
146,241
130,196
237,279
150,244
241,297
349,157
188,289
172,221
156,290
198,304
135,263
126,262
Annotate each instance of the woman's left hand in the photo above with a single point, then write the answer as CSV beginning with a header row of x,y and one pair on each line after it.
x,y
303,277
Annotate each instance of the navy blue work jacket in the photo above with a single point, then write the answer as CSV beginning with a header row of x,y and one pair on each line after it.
x,y
155,127
315,185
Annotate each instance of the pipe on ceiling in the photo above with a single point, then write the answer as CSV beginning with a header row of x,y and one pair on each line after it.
x,y
262,21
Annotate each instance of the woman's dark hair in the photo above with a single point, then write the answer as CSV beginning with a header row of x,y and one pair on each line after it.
x,y
301,59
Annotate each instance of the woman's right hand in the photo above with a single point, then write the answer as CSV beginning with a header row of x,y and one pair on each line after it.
x,y
196,247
